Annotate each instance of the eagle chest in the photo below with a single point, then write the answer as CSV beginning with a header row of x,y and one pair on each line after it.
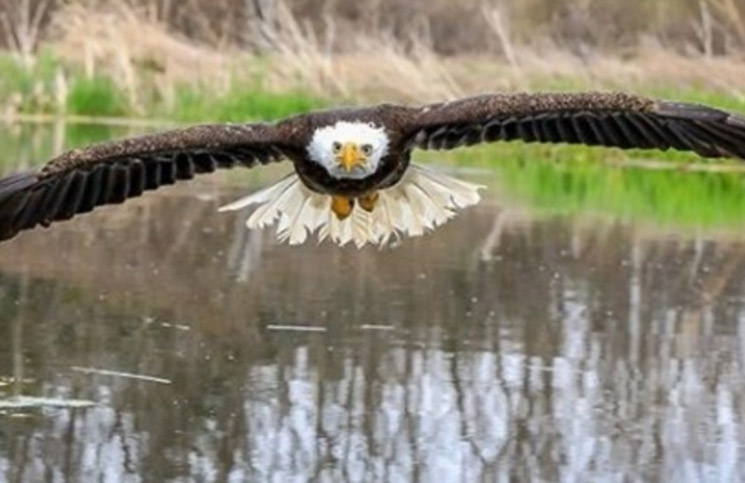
x,y
389,172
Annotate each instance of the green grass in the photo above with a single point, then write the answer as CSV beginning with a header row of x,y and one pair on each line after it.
x,y
96,96
240,104
670,198
559,183
33,89
28,88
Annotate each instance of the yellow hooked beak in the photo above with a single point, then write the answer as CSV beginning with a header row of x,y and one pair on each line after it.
x,y
350,155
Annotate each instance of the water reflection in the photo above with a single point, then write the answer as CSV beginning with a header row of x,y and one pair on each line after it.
x,y
503,347
500,347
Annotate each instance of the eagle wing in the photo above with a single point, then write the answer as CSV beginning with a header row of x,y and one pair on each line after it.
x,y
111,172
595,119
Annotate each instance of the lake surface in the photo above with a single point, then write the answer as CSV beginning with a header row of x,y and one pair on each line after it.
x,y
161,341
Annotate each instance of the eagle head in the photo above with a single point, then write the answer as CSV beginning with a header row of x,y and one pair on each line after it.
x,y
349,149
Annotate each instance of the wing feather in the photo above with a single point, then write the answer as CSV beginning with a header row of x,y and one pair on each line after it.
x,y
111,172
593,118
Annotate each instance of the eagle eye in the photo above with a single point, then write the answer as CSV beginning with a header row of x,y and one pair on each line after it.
x,y
367,149
336,147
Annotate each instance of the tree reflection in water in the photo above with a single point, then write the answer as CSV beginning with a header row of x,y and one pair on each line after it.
x,y
502,346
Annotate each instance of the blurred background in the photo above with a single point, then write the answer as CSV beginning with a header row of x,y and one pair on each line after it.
x,y
203,58
585,322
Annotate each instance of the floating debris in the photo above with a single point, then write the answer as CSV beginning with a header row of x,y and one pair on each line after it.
x,y
28,402
297,328
376,327
7,381
147,320
168,325
127,375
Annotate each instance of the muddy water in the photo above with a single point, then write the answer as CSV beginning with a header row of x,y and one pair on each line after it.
x,y
159,341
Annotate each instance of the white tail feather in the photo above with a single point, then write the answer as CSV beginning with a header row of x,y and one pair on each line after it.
x,y
265,195
420,202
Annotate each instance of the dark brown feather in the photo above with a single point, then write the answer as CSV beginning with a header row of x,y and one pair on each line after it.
x,y
605,119
112,172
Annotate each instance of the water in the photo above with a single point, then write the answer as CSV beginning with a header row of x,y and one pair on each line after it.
x,y
160,341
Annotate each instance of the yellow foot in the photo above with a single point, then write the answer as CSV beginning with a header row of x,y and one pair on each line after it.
x,y
368,201
341,206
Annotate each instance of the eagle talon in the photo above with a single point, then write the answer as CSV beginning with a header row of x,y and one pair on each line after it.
x,y
342,206
369,201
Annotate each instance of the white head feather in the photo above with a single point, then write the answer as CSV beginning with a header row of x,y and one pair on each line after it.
x,y
321,149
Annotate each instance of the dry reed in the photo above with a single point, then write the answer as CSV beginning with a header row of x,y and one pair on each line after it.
x,y
142,46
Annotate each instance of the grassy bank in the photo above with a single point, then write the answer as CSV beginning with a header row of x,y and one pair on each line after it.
x,y
260,88
53,87
700,199
117,60
135,60
250,90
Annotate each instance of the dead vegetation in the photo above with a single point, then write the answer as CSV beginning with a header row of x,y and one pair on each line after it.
x,y
585,27
387,49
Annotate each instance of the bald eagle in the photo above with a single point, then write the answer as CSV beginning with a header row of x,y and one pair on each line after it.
x,y
353,180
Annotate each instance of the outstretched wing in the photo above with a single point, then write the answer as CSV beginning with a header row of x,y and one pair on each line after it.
x,y
111,172
604,119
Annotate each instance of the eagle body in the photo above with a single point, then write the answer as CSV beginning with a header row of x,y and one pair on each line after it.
x,y
353,179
